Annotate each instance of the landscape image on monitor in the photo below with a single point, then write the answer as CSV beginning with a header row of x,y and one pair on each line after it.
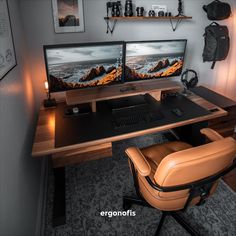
x,y
83,66
151,60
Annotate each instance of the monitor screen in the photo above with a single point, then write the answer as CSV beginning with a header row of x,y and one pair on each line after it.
x,y
83,65
154,59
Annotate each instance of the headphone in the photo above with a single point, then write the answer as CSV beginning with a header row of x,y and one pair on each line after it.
x,y
189,83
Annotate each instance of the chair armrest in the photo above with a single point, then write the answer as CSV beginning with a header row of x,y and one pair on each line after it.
x,y
139,161
211,134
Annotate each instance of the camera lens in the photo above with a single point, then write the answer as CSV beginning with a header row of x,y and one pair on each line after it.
x,y
161,13
128,8
140,11
151,13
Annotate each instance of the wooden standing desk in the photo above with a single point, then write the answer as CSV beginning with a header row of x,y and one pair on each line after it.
x,y
44,142
44,145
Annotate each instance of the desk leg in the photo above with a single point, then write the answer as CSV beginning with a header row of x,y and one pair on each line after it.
x,y
191,133
59,203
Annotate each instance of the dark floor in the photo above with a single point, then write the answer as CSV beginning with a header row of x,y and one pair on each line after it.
x,y
98,186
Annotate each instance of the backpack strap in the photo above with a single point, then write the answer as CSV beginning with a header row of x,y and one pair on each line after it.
x,y
214,61
205,8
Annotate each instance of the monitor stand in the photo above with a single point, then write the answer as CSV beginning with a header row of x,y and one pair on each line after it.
x,y
93,95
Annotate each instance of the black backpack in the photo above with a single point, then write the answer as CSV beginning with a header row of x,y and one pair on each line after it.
x,y
217,10
217,43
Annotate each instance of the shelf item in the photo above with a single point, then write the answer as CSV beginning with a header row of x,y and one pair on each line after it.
x,y
111,21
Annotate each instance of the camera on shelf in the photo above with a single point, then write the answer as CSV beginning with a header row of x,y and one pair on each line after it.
x,y
151,13
161,13
129,8
114,8
140,11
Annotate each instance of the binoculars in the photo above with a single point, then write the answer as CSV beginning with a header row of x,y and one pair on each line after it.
x,y
115,8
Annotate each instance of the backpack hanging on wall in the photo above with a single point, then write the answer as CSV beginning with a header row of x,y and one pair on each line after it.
x,y
217,43
217,10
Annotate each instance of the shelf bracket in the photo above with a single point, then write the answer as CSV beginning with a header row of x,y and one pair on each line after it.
x,y
109,28
174,27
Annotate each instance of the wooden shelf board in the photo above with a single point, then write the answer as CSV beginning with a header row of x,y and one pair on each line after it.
x,y
148,18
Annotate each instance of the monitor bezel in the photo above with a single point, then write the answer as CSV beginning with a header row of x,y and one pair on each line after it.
x,y
71,45
154,41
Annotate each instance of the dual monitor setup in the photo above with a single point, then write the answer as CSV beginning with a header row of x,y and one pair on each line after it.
x,y
90,65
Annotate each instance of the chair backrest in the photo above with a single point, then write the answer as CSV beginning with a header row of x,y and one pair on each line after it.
x,y
196,163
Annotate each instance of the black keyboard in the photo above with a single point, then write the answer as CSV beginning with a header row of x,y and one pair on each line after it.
x,y
133,119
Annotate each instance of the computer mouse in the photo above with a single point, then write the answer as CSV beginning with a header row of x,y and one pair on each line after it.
x,y
177,112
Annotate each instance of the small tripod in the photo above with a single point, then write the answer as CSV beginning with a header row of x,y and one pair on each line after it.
x,y
180,15
180,8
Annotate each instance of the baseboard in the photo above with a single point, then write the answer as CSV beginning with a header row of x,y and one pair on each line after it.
x,y
39,231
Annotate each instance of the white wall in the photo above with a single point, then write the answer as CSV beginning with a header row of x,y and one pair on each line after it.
x,y
38,22
19,172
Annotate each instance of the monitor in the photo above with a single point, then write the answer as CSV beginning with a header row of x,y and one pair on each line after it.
x,y
154,59
77,66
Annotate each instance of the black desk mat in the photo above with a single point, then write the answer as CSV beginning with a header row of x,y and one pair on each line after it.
x,y
214,97
93,126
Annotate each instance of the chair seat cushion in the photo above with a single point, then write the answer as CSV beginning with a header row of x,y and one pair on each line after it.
x,y
157,152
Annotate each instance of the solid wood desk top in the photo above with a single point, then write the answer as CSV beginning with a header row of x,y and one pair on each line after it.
x,y
44,142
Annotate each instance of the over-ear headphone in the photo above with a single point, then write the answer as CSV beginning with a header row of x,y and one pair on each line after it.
x,y
189,82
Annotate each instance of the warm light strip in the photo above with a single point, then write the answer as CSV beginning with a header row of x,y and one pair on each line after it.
x,y
225,71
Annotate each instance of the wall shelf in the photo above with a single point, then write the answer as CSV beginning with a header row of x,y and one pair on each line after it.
x,y
174,20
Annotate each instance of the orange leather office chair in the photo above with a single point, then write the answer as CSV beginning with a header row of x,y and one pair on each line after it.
x,y
172,176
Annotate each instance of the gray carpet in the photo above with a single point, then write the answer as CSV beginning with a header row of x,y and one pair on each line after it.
x,y
99,186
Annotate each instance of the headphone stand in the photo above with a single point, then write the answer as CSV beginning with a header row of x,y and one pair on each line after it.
x,y
188,83
186,92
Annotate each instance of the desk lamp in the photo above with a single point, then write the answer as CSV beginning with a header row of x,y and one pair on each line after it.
x,y
49,102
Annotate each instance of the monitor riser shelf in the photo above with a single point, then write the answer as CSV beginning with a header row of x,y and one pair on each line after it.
x,y
93,95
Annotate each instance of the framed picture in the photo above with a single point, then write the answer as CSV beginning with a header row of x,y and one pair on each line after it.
x,y
68,16
7,50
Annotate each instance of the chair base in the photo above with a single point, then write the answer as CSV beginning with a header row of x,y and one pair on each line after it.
x,y
129,201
